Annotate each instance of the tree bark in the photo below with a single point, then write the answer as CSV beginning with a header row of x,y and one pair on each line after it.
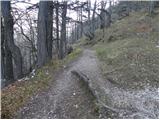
x,y
45,25
63,43
50,28
57,28
93,16
151,7
81,22
8,37
6,61
8,65
2,52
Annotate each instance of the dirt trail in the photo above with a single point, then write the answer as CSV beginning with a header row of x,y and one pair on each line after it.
x,y
67,96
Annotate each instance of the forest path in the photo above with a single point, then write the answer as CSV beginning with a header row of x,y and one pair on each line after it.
x,y
67,96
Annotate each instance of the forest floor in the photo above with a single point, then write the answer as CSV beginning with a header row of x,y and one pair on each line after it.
x,y
67,96
128,61
122,69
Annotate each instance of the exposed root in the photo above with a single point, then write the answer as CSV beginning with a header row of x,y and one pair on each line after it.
x,y
84,77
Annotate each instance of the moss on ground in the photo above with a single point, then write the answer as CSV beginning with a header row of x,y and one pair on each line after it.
x,y
129,51
72,55
14,96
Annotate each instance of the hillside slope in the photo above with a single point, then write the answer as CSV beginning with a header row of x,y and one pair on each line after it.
x,y
121,71
129,62
129,51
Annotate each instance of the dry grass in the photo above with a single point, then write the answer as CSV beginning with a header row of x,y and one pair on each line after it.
x,y
14,96
130,59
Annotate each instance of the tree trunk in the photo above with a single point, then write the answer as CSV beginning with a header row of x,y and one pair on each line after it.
x,y
89,7
2,53
6,61
8,37
8,66
81,22
63,31
93,16
151,7
57,28
50,28
45,25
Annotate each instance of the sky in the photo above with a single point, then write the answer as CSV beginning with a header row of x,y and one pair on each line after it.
x,y
70,13
24,5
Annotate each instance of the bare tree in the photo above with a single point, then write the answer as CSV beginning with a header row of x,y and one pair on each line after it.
x,y
45,26
57,26
8,38
105,16
63,46
6,60
93,16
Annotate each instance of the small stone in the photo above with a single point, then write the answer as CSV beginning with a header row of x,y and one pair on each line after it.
x,y
47,73
26,78
76,106
100,115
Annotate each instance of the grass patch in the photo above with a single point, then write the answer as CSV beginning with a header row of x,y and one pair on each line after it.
x,y
72,56
85,42
131,59
14,96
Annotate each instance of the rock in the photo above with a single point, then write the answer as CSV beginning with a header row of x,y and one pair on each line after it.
x,y
111,38
76,106
26,78
47,73
69,49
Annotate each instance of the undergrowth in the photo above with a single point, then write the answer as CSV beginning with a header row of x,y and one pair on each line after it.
x,y
129,52
14,96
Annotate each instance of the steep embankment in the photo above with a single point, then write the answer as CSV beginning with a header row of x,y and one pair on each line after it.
x,y
130,47
129,61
